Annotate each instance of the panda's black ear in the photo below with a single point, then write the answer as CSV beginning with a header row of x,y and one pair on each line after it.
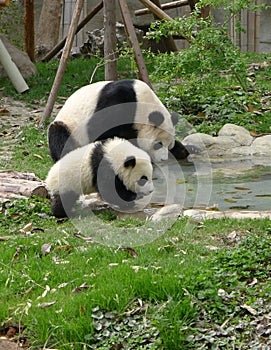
x,y
156,118
174,118
130,162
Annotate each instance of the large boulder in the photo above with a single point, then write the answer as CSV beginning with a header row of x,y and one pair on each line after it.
x,y
262,145
237,133
20,58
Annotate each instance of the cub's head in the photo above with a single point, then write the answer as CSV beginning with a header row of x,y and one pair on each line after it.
x,y
156,136
132,168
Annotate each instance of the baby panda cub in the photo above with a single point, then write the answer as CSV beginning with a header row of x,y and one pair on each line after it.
x,y
119,171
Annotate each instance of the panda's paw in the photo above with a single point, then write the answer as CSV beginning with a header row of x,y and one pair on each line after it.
x,y
179,151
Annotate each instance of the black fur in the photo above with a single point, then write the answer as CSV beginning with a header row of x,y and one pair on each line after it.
x,y
130,162
117,121
178,151
60,140
116,92
62,204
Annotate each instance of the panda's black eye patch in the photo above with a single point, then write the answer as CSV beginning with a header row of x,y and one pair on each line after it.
x,y
157,146
142,180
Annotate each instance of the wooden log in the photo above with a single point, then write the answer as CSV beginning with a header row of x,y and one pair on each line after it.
x,y
14,184
81,25
63,61
131,34
167,6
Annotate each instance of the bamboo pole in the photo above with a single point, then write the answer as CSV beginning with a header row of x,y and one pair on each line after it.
x,y
60,45
63,61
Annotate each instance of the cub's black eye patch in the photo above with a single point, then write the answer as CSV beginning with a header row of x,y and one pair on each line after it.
x,y
142,181
157,146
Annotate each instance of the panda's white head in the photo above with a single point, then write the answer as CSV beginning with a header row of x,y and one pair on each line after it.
x,y
156,136
154,124
132,165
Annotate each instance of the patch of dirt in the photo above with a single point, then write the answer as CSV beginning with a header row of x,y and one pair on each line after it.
x,y
14,115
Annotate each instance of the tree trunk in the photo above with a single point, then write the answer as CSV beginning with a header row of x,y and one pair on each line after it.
x,y
48,27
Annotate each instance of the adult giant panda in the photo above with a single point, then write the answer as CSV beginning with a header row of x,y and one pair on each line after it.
x,y
120,172
127,109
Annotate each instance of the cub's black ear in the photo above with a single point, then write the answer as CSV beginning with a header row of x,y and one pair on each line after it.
x,y
156,118
130,162
174,118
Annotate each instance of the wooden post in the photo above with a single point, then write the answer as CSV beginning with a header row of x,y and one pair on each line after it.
x,y
29,42
110,40
60,45
131,34
63,61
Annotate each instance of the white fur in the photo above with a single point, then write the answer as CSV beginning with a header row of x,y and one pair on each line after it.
x,y
82,103
73,171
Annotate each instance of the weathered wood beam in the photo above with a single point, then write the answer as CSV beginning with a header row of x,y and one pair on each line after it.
x,y
167,6
156,10
131,34
63,61
29,41
110,40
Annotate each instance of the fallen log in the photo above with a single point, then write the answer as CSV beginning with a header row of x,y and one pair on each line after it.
x,y
16,185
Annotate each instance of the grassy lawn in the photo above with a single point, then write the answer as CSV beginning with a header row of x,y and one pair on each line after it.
x,y
197,286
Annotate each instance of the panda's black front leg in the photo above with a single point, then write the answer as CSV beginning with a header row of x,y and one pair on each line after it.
x,y
60,140
179,151
62,205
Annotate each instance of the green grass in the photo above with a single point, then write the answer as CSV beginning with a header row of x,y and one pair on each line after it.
x,y
176,277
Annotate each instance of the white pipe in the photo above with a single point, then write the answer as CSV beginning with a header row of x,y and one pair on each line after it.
x,y
11,69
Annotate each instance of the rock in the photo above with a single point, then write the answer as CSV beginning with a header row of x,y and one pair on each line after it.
x,y
95,42
170,212
239,134
207,214
232,141
262,145
214,146
20,58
